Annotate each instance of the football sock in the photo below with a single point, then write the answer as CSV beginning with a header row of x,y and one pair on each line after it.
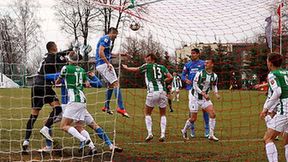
x,y
170,103
29,126
212,123
76,134
103,136
53,115
48,142
206,120
118,95
187,125
163,125
148,121
271,152
108,97
84,133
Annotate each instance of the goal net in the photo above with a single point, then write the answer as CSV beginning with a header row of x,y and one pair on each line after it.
x,y
237,34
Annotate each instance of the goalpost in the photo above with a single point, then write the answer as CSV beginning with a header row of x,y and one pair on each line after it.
x,y
232,32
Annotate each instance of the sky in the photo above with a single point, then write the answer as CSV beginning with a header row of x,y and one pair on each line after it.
x,y
176,22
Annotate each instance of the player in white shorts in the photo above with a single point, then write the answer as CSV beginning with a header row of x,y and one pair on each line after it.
x,y
155,77
278,82
204,80
176,85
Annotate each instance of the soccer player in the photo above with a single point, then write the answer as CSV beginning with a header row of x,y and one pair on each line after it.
x,y
155,77
42,93
203,81
106,69
75,110
94,82
176,85
278,82
188,74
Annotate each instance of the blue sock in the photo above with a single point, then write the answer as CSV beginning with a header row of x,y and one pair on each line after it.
x,y
206,121
118,95
48,142
192,128
108,97
103,136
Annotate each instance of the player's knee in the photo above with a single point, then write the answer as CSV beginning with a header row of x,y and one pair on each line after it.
x,y
213,115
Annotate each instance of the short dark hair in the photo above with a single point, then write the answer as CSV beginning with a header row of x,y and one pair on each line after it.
x,y
276,59
112,30
212,59
196,50
49,45
153,57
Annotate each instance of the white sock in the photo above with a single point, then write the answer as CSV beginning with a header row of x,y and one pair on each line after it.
x,y
86,134
76,134
148,121
177,96
187,125
212,123
271,152
286,152
163,125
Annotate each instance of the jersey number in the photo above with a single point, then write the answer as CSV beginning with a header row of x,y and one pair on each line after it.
x,y
157,72
79,79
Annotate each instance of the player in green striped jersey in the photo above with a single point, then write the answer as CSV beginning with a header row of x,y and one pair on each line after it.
x,y
156,76
203,82
278,85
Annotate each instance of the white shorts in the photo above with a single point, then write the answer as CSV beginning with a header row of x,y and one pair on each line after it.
x,y
75,111
156,98
88,119
109,75
175,89
195,103
279,123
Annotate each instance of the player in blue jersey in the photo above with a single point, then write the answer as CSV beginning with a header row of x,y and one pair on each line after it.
x,y
189,71
106,69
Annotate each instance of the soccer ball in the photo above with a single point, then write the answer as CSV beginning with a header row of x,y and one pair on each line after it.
x,y
134,26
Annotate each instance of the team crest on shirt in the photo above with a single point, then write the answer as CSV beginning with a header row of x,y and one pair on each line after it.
x,y
106,40
272,82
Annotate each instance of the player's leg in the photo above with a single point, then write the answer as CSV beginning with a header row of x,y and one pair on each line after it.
x,y
206,123
285,141
37,102
80,128
118,95
163,120
100,132
212,120
148,122
104,72
271,150
169,95
177,94
192,101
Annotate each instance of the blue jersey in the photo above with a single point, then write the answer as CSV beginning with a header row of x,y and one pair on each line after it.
x,y
190,69
104,41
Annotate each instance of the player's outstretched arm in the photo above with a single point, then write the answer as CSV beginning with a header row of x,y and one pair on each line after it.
x,y
131,69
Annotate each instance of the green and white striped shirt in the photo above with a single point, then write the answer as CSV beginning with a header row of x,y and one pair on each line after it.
x,y
154,76
74,77
203,82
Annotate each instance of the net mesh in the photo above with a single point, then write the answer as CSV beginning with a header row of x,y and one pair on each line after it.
x,y
233,32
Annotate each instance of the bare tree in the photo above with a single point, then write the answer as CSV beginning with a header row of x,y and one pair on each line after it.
x,y
28,28
9,47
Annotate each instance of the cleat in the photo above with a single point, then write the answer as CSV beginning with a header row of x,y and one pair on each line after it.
x,y
123,112
171,110
177,100
45,149
83,144
116,149
162,139
149,138
92,151
192,135
105,109
206,134
45,133
184,135
213,138
277,138
25,147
